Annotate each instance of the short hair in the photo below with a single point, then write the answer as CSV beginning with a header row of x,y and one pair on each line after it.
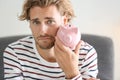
x,y
63,6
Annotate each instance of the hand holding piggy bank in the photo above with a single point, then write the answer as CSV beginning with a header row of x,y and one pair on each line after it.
x,y
69,36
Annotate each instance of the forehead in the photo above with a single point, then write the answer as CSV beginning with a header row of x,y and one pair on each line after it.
x,y
38,12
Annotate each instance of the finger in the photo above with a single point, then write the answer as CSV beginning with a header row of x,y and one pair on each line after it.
x,y
57,49
60,45
78,47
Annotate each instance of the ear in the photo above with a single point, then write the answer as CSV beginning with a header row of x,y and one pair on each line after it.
x,y
65,20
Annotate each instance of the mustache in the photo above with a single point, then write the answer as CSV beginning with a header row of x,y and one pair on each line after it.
x,y
45,35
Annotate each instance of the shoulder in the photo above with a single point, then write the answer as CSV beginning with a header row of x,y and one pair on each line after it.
x,y
21,45
85,46
22,41
86,49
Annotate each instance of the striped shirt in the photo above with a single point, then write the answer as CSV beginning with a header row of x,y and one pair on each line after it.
x,y
23,62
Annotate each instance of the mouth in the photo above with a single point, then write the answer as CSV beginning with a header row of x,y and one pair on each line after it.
x,y
45,38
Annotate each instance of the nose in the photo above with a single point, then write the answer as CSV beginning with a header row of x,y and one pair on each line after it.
x,y
43,28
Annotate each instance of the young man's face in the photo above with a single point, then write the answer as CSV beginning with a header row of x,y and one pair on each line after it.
x,y
44,23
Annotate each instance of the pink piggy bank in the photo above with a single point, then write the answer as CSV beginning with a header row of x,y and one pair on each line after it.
x,y
69,36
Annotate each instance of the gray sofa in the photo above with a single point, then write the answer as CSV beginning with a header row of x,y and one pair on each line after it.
x,y
103,46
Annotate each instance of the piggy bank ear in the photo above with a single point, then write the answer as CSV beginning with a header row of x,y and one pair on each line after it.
x,y
65,20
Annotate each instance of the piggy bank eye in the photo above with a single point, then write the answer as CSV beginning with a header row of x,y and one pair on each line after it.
x,y
69,25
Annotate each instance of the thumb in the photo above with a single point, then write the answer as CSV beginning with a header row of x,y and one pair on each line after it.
x,y
78,47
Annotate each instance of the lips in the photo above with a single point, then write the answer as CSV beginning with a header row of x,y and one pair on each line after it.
x,y
43,38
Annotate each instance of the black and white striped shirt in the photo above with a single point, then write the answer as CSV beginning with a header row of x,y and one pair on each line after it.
x,y
23,62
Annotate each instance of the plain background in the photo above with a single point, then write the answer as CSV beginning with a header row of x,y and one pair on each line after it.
x,y
99,17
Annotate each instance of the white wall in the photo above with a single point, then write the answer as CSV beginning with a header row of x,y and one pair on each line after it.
x,y
9,23
100,17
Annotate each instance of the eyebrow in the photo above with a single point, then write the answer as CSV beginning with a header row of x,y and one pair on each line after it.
x,y
49,18
35,19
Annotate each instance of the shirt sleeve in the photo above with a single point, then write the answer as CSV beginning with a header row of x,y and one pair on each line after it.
x,y
78,77
90,67
12,67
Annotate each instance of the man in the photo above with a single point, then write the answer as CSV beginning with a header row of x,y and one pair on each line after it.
x,y
43,56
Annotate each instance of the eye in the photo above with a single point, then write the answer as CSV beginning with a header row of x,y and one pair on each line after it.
x,y
36,22
50,22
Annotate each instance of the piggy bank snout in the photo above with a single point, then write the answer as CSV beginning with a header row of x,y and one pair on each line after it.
x,y
67,39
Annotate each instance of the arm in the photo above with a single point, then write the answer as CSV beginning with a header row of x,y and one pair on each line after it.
x,y
12,67
68,61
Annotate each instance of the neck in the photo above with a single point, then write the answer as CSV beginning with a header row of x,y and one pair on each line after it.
x,y
47,54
